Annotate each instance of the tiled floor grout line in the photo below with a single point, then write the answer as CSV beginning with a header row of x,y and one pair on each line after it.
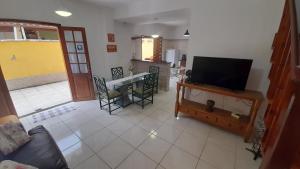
x,y
82,140
118,137
206,140
136,148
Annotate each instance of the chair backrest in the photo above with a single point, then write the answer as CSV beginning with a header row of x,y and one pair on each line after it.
x,y
148,83
117,73
154,69
101,86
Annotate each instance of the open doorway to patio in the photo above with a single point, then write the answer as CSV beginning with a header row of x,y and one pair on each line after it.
x,y
33,66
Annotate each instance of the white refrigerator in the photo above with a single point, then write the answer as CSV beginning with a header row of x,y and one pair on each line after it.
x,y
173,56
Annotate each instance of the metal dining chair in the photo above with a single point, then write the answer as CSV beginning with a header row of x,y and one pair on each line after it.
x,y
117,73
155,70
145,92
111,96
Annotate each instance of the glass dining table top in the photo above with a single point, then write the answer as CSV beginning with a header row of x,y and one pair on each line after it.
x,y
127,80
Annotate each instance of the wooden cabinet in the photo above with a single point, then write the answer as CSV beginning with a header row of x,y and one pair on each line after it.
x,y
219,117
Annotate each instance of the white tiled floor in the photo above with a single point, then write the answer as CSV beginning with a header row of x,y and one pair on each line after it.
x,y
152,138
31,99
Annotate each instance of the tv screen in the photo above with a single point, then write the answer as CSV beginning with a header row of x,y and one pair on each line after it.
x,y
223,72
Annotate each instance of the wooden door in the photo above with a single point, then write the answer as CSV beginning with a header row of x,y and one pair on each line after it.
x,y
77,60
6,104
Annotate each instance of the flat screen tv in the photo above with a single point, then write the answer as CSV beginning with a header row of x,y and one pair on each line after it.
x,y
223,72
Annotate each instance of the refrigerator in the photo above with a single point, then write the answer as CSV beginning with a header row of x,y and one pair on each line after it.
x,y
173,56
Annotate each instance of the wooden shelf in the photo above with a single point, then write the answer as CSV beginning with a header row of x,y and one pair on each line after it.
x,y
247,94
217,111
219,117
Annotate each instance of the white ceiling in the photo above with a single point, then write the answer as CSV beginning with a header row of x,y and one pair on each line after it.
x,y
170,18
110,3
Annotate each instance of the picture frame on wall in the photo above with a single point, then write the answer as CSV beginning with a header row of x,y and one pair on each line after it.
x,y
111,48
111,37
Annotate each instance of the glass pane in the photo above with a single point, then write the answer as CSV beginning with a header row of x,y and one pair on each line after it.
x,y
48,34
69,36
7,32
72,58
78,36
30,33
74,68
83,68
71,47
81,58
80,48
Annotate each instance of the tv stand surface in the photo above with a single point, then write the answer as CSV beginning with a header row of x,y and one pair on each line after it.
x,y
219,117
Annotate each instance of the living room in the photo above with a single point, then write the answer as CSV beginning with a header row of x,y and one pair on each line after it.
x,y
146,133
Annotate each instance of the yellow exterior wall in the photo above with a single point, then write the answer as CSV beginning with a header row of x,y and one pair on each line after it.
x,y
21,59
147,48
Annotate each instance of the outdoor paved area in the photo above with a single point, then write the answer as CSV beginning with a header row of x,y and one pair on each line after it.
x,y
34,99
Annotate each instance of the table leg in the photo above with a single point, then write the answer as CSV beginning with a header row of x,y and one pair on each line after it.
x,y
125,97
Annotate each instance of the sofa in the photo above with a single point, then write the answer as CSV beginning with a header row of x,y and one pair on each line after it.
x,y
41,152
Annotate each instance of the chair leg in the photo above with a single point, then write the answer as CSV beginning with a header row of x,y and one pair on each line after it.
x,y
152,98
132,98
132,95
109,107
143,103
100,103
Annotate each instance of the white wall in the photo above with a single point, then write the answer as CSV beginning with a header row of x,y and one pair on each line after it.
x,y
151,29
227,28
165,31
178,32
124,33
97,22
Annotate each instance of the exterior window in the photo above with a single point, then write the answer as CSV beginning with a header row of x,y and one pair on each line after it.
x,y
41,34
13,31
7,33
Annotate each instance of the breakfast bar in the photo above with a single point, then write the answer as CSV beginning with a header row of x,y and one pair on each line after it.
x,y
164,71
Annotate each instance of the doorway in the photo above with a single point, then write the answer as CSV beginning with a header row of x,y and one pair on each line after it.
x,y
74,51
33,66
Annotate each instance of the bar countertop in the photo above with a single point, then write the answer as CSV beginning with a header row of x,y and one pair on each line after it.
x,y
151,61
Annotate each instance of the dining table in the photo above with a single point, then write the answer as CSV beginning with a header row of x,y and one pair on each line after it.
x,y
124,84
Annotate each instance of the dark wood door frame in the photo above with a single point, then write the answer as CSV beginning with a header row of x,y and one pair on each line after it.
x,y
6,104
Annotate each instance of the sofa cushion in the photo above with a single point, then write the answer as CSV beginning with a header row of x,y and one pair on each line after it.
x,y
12,136
7,164
41,152
1,156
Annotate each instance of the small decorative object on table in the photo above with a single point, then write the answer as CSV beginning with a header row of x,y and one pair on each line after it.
x,y
130,69
210,105
188,74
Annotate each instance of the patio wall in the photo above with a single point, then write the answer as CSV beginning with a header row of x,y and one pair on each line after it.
x,y
31,63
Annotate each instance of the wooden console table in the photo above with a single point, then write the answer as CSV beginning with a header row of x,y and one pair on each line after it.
x,y
219,117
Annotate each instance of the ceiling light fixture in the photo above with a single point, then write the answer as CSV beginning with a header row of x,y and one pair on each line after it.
x,y
63,11
155,36
187,33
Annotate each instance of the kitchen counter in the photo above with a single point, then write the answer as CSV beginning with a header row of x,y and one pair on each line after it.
x,y
164,71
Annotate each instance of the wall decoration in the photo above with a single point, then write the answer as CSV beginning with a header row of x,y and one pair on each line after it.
x,y
79,48
111,48
111,37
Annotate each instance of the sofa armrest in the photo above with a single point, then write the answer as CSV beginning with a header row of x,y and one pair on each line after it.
x,y
41,152
9,118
